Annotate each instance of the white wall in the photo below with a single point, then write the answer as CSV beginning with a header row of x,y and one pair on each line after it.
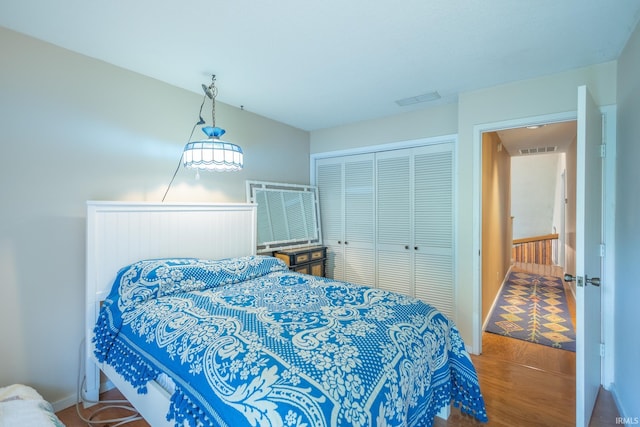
x,y
627,269
437,121
560,211
77,129
534,202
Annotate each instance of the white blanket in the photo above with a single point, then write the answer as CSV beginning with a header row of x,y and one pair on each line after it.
x,y
21,405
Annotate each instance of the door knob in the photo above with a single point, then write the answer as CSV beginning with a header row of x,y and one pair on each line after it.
x,y
595,281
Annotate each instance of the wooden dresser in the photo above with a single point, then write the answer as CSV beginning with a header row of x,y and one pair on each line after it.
x,y
307,260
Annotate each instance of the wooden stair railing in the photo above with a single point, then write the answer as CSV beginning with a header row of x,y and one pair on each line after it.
x,y
535,250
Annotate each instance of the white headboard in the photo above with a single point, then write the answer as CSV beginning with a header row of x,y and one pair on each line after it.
x,y
120,233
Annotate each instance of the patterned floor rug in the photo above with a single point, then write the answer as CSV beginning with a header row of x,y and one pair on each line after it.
x,y
533,308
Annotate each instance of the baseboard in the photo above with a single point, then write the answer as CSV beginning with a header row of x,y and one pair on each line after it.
x,y
623,413
61,404
495,298
71,400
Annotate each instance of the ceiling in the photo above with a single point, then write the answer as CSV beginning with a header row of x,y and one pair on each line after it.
x,y
539,139
321,64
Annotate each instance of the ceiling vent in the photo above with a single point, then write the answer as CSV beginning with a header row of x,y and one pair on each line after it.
x,y
425,97
538,150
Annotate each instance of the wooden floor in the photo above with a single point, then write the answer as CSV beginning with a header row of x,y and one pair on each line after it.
x,y
524,384
70,417
528,384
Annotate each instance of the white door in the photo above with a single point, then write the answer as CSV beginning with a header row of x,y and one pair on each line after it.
x,y
415,223
329,179
588,259
346,196
394,244
359,231
433,244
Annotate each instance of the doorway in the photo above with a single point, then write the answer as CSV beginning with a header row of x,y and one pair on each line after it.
x,y
540,163
608,150
528,193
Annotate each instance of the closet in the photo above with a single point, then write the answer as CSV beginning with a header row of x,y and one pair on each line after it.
x,y
415,222
388,220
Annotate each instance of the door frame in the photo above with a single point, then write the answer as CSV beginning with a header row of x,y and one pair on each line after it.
x,y
609,172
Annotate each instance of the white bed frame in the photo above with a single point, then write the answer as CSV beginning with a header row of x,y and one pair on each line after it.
x,y
120,233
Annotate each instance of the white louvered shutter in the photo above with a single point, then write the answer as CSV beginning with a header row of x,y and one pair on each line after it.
x,y
394,238
359,236
434,226
329,180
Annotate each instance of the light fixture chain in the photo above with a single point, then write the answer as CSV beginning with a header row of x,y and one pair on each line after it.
x,y
214,92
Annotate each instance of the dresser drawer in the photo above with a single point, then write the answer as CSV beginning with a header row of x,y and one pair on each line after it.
x,y
315,268
308,260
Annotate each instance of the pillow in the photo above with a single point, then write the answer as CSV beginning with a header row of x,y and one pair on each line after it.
x,y
154,278
204,274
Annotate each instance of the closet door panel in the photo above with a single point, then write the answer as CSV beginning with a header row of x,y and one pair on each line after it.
x,y
433,226
394,200
434,281
334,264
359,266
394,272
329,182
359,217
433,196
359,204
329,179
394,230
346,190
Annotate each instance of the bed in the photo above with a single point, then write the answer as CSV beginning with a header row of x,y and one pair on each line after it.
x,y
21,405
245,341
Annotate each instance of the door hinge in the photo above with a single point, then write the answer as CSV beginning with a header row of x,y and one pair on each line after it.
x,y
601,349
603,150
602,250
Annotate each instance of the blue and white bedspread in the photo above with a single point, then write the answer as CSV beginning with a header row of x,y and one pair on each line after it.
x,y
249,343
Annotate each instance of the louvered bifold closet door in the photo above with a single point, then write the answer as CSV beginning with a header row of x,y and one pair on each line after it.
x,y
394,230
359,231
329,180
434,227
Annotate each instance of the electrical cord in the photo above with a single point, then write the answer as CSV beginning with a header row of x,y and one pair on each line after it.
x,y
108,404
199,122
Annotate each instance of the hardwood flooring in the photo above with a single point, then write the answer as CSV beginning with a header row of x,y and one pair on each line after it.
x,y
71,418
527,384
524,384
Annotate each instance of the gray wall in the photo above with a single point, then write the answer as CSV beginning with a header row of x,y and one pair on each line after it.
x,y
627,270
77,129
534,200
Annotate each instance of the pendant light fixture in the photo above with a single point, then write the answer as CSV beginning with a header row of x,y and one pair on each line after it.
x,y
211,153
